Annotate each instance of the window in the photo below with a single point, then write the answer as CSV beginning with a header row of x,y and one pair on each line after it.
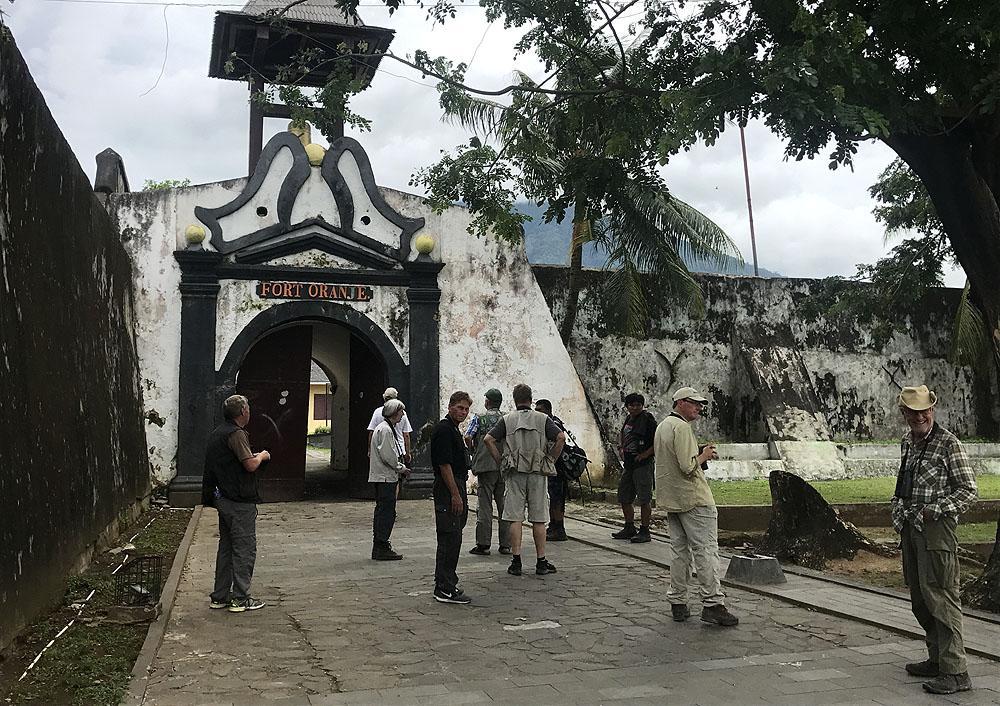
x,y
322,406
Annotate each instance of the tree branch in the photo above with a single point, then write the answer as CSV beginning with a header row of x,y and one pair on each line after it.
x,y
621,47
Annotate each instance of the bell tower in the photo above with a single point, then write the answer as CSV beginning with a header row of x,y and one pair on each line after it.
x,y
255,43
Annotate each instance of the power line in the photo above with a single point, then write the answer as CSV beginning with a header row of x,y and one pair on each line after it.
x,y
166,50
162,3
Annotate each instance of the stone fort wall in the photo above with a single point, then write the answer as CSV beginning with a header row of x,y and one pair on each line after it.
x,y
72,448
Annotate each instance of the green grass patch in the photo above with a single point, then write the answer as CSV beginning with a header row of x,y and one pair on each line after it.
x,y
837,492
92,662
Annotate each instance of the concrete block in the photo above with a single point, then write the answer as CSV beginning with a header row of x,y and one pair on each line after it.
x,y
755,569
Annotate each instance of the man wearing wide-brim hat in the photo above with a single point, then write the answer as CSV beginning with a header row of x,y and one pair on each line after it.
x,y
934,485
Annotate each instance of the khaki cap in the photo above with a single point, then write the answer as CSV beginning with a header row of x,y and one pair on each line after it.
x,y
689,393
917,398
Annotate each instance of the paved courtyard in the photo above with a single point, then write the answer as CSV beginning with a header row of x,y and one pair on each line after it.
x,y
342,629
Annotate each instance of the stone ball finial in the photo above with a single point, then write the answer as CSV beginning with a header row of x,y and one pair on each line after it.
x,y
424,244
315,153
304,133
194,234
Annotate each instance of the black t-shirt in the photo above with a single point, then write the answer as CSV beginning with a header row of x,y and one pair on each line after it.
x,y
448,447
637,436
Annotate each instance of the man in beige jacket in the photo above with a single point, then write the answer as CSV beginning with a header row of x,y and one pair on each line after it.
x,y
692,519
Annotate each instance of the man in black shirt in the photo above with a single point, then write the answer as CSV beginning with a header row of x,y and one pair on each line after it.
x,y
638,469
450,459
229,484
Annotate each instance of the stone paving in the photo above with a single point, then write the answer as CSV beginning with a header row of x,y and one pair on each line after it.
x,y
342,629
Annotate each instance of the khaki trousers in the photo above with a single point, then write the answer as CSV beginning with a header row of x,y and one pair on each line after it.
x,y
491,490
930,567
694,535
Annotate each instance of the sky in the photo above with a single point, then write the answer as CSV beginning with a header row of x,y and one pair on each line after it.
x,y
133,77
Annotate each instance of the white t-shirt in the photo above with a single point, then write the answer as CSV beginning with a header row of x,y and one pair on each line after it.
x,y
402,428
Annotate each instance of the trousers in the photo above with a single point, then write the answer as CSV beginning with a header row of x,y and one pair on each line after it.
x,y
384,517
694,536
491,490
237,552
930,567
449,526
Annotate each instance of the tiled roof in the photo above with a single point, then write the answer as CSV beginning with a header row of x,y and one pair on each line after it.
x,y
325,11
316,375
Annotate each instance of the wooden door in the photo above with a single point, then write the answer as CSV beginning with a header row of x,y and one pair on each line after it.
x,y
274,377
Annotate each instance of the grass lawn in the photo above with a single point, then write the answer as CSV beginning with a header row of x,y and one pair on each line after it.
x,y
859,490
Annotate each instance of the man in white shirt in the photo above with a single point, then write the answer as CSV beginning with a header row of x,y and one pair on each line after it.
x,y
402,429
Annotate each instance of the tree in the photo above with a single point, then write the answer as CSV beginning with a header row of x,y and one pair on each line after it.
x,y
153,185
561,157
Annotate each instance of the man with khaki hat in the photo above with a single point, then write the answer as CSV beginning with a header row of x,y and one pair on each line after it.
x,y
692,519
934,485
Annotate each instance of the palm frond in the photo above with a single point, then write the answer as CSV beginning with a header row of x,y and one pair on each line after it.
x,y
625,290
969,340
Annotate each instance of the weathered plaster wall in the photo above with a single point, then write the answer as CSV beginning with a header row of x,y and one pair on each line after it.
x,y
72,450
852,366
489,303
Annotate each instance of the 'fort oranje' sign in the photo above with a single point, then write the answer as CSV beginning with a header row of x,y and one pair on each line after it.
x,y
314,290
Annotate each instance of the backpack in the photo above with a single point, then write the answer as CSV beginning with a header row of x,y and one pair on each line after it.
x,y
573,462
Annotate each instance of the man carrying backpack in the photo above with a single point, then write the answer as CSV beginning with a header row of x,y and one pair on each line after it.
x,y
558,485
488,476
531,444
636,483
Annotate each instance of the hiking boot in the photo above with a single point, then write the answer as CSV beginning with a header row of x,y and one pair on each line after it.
x,y
480,550
927,668
556,533
246,604
514,569
626,532
949,683
504,550
216,605
385,552
544,567
680,611
442,596
642,536
719,615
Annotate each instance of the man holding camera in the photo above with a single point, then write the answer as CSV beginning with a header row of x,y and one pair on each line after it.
x,y
692,519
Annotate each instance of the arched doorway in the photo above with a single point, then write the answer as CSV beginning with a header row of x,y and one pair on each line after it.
x,y
271,361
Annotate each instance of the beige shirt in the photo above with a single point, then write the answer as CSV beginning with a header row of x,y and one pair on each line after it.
x,y
680,482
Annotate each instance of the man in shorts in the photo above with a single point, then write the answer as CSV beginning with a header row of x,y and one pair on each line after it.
x,y
531,444
636,484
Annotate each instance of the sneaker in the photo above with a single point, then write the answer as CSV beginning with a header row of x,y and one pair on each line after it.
x,y
246,604
480,550
927,668
556,534
680,612
504,550
627,532
641,537
949,683
514,569
544,567
442,596
216,605
385,553
719,615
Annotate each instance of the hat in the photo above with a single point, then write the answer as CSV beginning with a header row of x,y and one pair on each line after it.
x,y
391,407
494,395
917,398
688,393
390,393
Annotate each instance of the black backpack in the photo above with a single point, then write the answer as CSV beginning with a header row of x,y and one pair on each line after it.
x,y
573,462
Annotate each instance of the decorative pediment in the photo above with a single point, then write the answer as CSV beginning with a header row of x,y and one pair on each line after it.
x,y
288,207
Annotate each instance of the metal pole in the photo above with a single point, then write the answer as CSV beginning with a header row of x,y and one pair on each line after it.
x,y
746,180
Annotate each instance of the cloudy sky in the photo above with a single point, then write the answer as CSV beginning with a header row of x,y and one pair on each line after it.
x,y
98,63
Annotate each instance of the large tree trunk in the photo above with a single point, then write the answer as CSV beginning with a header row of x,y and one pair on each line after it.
x,y
984,592
961,171
575,280
805,529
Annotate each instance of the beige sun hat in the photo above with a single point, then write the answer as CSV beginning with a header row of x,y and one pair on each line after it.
x,y
917,398
689,393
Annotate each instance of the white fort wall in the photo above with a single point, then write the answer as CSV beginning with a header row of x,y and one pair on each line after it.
x,y
495,327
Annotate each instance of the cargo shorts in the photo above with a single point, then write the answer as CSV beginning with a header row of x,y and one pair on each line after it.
x,y
526,489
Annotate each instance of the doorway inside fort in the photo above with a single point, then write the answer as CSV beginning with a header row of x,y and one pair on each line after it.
x,y
312,387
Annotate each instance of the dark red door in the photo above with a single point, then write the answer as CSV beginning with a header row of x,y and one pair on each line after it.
x,y
274,377
367,385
